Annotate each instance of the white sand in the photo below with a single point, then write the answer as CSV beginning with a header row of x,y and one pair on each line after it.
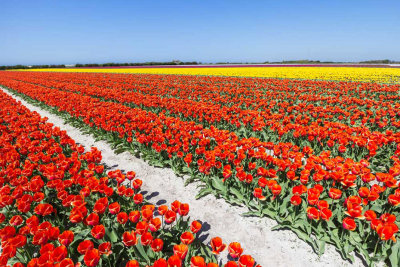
x,y
269,248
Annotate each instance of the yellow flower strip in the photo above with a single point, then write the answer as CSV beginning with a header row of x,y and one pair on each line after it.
x,y
362,74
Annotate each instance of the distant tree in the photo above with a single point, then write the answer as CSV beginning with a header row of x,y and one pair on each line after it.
x,y
380,61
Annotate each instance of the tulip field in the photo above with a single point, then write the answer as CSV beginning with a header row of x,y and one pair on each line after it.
x,y
61,208
343,73
315,149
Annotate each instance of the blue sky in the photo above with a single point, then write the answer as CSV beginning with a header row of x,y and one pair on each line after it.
x,y
68,32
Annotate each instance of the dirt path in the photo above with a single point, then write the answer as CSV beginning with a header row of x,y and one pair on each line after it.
x,y
269,248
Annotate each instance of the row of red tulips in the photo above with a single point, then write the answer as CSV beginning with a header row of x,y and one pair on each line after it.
x,y
290,122
59,206
320,197
223,89
347,100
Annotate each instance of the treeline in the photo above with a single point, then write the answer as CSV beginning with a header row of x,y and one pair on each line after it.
x,y
302,61
30,67
380,61
136,64
176,62
306,61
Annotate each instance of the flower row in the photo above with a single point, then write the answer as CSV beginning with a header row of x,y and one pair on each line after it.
x,y
321,198
59,206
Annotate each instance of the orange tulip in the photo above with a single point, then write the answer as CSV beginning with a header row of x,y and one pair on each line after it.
x,y
349,224
197,261
235,250
180,250
217,245
246,261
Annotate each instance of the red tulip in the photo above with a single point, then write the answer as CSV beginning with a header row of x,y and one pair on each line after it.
x,y
227,172
197,261
92,257
174,261
183,209
66,237
138,198
349,224
85,246
101,205
246,261
276,189
92,219
217,245
147,215
157,245
295,200
312,213
105,248
132,263
114,208
146,239
370,215
175,206
16,220
325,214
134,216
98,231
162,209
142,227
59,253
195,227
235,250
187,238
155,224
257,193
181,250
170,217
67,262
335,193
161,263
129,238
122,217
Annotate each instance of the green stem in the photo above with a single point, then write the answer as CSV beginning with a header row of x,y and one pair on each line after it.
x,y
376,247
109,261
341,235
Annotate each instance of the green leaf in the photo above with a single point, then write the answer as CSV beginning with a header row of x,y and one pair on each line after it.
x,y
156,163
394,255
203,192
253,205
237,194
189,180
331,224
140,248
349,248
283,206
112,235
302,235
219,185
119,150
150,252
321,245
269,213
250,214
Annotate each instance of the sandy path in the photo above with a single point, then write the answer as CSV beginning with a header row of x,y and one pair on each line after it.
x,y
269,248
